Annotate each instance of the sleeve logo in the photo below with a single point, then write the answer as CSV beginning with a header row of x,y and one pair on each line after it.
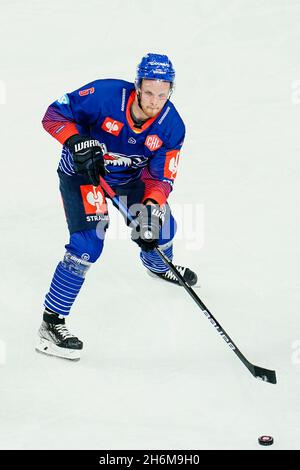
x,y
171,164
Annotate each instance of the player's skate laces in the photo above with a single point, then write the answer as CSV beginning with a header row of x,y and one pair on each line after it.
x,y
63,334
188,275
55,339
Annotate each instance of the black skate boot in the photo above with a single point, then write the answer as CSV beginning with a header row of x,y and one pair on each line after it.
x,y
54,338
188,275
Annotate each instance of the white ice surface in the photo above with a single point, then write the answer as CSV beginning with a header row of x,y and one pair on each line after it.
x,y
154,373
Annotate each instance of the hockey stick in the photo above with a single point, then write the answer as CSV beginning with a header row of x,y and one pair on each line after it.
x,y
258,372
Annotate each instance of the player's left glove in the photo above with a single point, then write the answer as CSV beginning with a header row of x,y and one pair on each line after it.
x,y
87,156
150,219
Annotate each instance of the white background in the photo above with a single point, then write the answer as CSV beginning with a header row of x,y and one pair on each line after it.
x,y
154,373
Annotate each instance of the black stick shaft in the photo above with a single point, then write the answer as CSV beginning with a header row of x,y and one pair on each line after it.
x,y
258,372
203,307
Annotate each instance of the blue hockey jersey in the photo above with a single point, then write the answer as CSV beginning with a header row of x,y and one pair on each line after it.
x,y
101,109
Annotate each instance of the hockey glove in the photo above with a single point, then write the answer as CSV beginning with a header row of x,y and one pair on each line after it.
x,y
150,219
87,156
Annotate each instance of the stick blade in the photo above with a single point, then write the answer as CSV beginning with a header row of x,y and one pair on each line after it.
x,y
266,375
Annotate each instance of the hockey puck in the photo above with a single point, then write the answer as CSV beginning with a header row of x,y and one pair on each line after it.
x,y
265,440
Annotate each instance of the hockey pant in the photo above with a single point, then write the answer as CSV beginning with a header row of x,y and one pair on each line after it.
x,y
87,217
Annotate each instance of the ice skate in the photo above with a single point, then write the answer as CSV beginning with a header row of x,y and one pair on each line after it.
x,y
188,275
54,339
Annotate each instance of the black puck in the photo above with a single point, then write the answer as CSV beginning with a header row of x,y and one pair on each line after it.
x,y
265,440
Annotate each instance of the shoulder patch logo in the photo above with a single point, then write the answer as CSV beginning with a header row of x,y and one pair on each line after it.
x,y
112,126
171,164
153,142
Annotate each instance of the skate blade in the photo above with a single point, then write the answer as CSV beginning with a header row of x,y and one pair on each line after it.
x,y
44,346
151,274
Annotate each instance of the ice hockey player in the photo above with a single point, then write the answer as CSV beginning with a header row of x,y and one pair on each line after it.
x,y
130,134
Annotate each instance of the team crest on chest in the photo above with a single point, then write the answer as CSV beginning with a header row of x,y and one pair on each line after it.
x,y
112,126
153,142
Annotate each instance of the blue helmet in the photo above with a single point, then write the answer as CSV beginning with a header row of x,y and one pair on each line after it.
x,y
155,67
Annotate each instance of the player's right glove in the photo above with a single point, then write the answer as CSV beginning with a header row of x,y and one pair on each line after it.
x,y
87,156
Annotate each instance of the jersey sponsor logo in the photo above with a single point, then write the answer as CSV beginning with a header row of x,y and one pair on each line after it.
x,y
171,164
123,99
97,218
153,142
93,199
131,140
164,115
87,91
112,126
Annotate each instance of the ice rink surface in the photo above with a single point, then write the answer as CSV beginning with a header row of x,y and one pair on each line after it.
x,y
154,373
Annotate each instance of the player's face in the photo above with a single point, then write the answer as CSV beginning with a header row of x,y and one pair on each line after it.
x,y
154,95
